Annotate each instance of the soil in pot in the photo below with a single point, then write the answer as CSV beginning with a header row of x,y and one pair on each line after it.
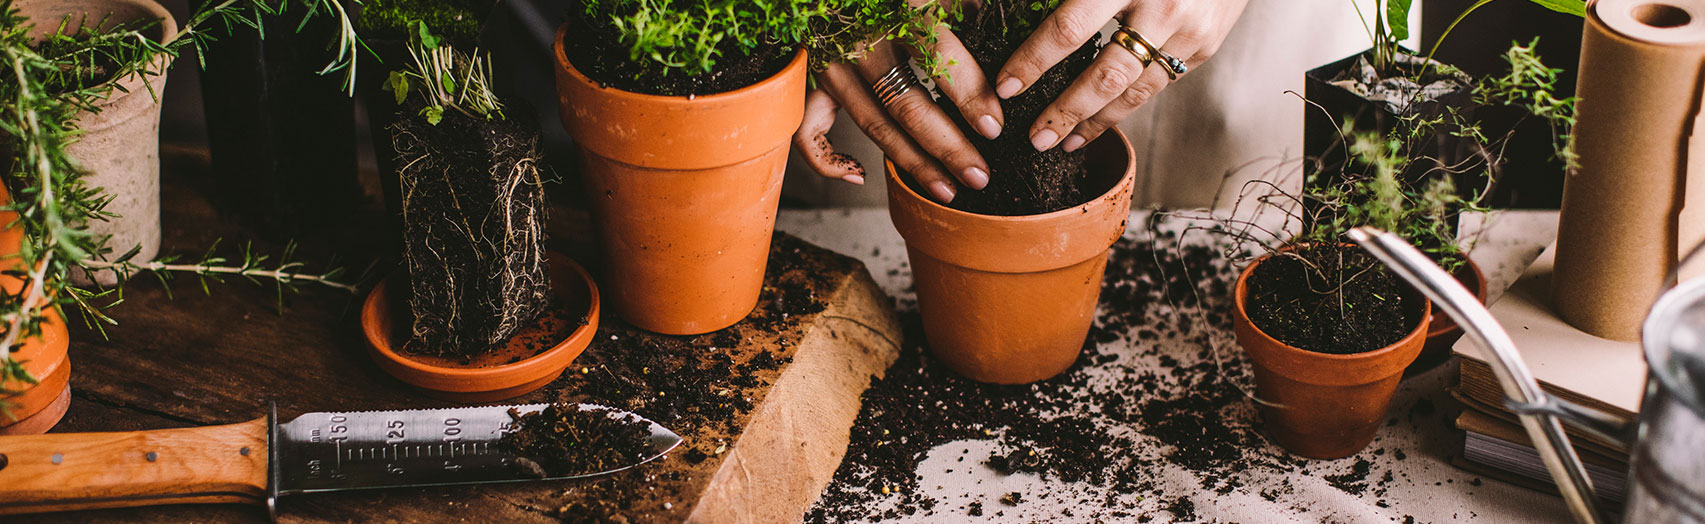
x,y
473,207
595,47
564,440
1340,300
1022,181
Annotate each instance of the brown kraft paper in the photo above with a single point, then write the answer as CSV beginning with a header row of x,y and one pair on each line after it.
x,y
1626,209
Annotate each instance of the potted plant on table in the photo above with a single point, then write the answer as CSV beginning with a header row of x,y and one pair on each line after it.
x,y
482,322
1446,124
683,112
1008,277
71,74
1328,328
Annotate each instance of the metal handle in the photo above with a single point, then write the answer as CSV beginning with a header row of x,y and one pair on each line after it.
x,y
1543,427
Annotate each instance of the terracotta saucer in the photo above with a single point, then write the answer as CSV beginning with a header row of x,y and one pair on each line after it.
x,y
514,370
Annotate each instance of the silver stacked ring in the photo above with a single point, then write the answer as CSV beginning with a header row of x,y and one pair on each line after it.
x,y
898,81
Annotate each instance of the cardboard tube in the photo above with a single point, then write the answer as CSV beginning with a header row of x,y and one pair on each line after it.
x,y
1621,224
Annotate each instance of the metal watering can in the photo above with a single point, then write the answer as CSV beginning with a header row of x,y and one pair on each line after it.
x,y
1667,445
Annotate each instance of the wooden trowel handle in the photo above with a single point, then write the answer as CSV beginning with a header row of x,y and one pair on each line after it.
x,y
72,471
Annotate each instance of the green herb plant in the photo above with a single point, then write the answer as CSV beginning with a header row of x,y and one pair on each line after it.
x,y
47,85
692,36
447,79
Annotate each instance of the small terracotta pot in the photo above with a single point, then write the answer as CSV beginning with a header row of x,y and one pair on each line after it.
x,y
120,144
1009,300
1442,331
1322,405
492,376
684,192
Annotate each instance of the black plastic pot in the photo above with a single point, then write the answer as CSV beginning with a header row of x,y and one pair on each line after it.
x,y
1330,105
282,135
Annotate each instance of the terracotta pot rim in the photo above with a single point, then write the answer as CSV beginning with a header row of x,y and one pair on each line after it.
x,y
1110,134
493,377
132,83
561,55
1240,295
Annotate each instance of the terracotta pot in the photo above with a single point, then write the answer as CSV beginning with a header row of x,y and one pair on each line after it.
x,y
34,409
492,376
1009,300
683,191
1442,331
119,145
1322,405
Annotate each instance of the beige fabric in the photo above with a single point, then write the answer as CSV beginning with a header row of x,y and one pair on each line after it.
x,y
1231,111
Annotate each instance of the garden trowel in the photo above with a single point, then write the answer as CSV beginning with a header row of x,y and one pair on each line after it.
x,y
257,461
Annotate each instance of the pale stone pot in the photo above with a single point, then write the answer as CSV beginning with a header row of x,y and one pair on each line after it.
x,y
120,144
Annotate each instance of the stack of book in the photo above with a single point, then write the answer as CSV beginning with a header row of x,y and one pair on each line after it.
x,y
1605,375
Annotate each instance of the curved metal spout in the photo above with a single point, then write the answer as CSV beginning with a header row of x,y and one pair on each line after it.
x,y
1543,427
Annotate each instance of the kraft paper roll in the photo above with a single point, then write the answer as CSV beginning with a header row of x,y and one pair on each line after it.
x,y
1638,197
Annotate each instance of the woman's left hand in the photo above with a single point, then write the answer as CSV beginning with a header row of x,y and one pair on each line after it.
x,y
1117,83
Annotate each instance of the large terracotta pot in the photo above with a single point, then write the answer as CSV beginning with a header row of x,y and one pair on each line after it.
x,y
683,191
1322,405
120,144
1009,300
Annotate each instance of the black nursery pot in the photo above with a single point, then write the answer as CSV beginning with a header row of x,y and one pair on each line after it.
x,y
473,214
1330,105
282,135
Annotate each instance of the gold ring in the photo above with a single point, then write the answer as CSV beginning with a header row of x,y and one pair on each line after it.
x,y
1124,39
1171,64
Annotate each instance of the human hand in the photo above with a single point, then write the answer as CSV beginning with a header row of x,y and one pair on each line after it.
x,y
1118,82
915,134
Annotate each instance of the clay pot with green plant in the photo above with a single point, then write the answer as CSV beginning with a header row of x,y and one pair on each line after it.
x,y
683,115
1008,277
1329,329
119,144
482,319
32,408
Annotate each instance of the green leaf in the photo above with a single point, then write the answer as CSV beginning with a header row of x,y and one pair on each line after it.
x,y
449,82
426,39
397,84
1573,7
1397,16
433,114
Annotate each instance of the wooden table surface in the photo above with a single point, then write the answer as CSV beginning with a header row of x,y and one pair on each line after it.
x,y
183,358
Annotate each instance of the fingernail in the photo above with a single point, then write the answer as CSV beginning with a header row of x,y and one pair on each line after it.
x,y
1072,143
976,178
988,127
943,191
1008,87
1044,139
856,179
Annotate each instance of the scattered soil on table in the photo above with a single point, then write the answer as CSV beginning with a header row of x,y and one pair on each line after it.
x,y
1109,436
1330,299
1022,181
594,47
701,387
473,211
565,440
